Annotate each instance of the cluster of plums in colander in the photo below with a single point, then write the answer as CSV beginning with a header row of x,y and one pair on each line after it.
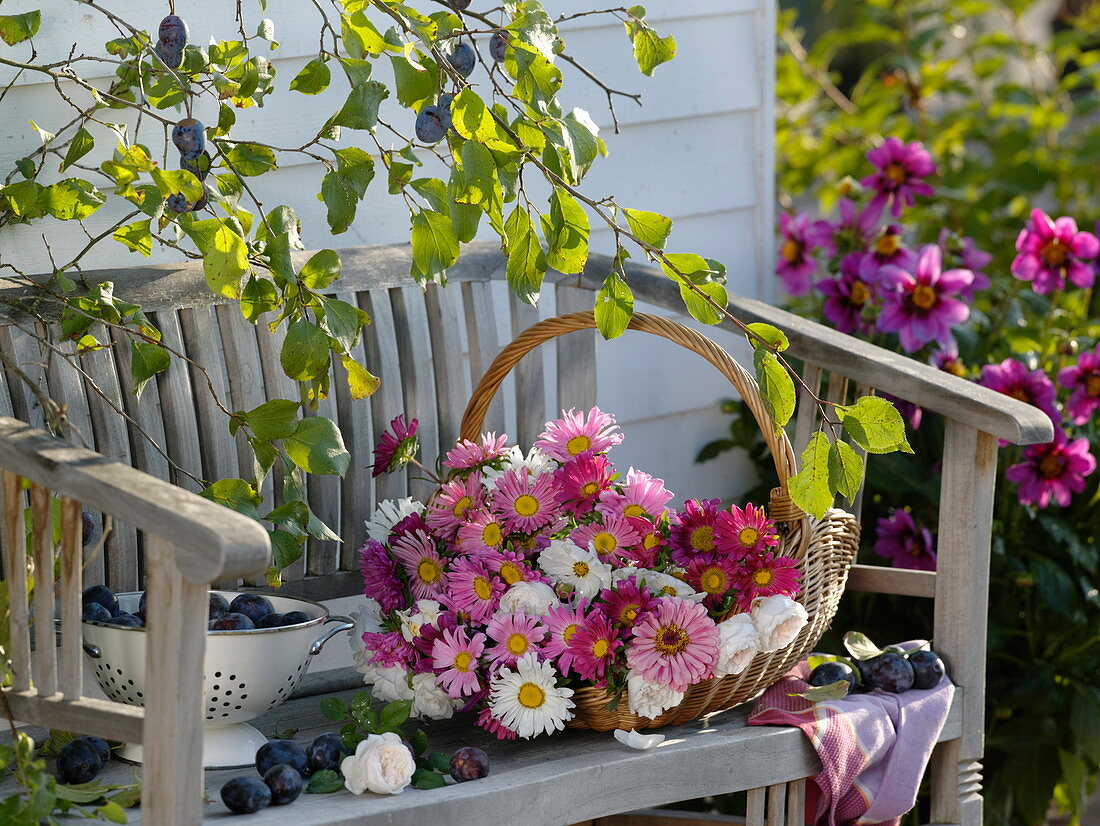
x,y
245,613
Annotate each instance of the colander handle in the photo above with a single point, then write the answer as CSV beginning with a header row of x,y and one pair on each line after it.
x,y
346,624
89,649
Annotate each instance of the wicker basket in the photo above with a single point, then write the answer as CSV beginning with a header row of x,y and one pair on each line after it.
x,y
825,547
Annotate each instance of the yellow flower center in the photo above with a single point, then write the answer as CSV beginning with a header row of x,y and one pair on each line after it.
x,y
428,571
526,505
702,538
590,489
956,368
671,639
463,660
762,578
1051,466
668,591
1054,253
888,244
629,613
859,293
1092,385
650,540
790,250
461,506
490,535
531,696
604,543
634,510
578,444
511,573
713,581
1019,395
924,297
482,588
517,644
568,632
748,536
580,569
600,648
895,173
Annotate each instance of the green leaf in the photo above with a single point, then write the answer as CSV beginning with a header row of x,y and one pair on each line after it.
x,y
313,78
774,337
342,321
394,714
305,353
832,691
845,469
225,260
79,146
318,447
566,229
701,309
146,360
776,386
334,708
71,199
475,179
416,86
434,245
360,110
286,549
343,189
251,159
424,779
137,236
275,419
650,49
24,198
325,781
650,227
259,296
875,425
177,181
361,382
526,261
236,494
419,742
439,761
859,645
614,306
15,28
112,812
321,269
809,488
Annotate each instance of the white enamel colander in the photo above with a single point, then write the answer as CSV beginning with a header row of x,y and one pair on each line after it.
x,y
247,673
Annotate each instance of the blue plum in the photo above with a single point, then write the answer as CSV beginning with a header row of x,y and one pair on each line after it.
x,y
100,746
282,751
829,673
189,137
103,595
127,621
460,5
429,125
295,617
253,606
231,622
177,202
88,528
143,604
78,762
928,668
498,46
199,166
218,605
469,763
172,58
325,752
891,672
95,612
271,620
463,59
285,783
173,32
245,795
445,109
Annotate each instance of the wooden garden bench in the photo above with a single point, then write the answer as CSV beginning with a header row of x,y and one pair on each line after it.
x,y
428,346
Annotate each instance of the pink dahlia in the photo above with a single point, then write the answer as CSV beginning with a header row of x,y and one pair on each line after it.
x,y
472,590
947,359
964,253
1055,470
388,648
455,658
901,169
801,236
483,531
766,575
626,601
379,572
610,540
849,295
855,228
888,249
1084,379
692,531
674,645
642,496
581,482
1012,378
573,434
514,635
906,544
594,646
920,306
525,503
562,622
448,507
737,532
397,447
1052,251
419,557
491,724
714,578
466,454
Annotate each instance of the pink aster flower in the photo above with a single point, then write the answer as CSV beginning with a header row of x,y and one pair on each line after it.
x,y
625,601
561,623
448,507
642,495
906,544
1084,379
766,575
466,454
511,566
582,481
419,557
964,253
651,541
888,249
573,434
920,306
424,641
855,228
525,503
472,590
848,295
1012,378
398,445
594,646
1055,470
610,540
483,531
1052,251
738,533
692,531
801,236
714,578
901,169
455,658
674,645
379,572
388,648
491,724
410,524
514,635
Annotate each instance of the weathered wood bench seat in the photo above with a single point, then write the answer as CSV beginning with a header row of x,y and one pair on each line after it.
x,y
429,347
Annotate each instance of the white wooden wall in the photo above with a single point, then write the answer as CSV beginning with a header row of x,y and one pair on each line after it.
x,y
700,151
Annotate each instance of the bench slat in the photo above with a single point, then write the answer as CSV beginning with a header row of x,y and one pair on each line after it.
x,y
481,337
388,401
417,359
451,387
530,392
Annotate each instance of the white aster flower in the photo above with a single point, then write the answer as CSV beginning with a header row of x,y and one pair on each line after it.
x,y
624,572
778,618
531,598
535,461
666,585
429,700
390,682
635,740
388,514
368,619
427,612
568,564
528,700
738,643
648,699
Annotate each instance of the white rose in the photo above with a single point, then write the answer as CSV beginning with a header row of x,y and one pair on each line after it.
x,y
666,585
778,619
381,763
390,683
738,643
531,598
650,699
641,742
429,700
368,619
426,613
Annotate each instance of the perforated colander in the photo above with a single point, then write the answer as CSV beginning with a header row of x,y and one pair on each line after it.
x,y
247,673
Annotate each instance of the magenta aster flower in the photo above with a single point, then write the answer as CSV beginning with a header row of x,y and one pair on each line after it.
x,y
410,524
888,249
491,724
483,531
594,646
674,645
388,648
920,306
610,540
448,508
455,658
801,236
901,170
765,575
562,622
472,590
644,554
1052,251
397,447
379,572
1012,378
625,601
466,454
691,531
581,482
1056,469
714,578
855,228
573,434
907,545
641,496
848,295
525,503
738,533
511,566
963,252
424,641
1084,379
419,557
514,635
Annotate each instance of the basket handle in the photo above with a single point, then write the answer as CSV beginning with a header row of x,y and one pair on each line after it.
x,y
781,508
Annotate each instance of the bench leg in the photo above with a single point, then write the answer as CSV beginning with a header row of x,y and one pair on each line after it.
x,y
175,643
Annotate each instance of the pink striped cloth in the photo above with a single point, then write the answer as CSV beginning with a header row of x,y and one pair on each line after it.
x,y
873,747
